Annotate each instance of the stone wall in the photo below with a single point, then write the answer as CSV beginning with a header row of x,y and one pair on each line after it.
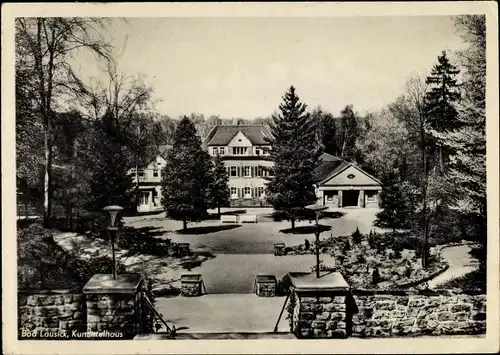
x,y
384,315
41,312
320,317
266,289
118,313
391,313
191,289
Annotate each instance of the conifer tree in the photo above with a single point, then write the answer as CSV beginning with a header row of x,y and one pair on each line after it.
x,y
467,167
395,210
186,175
109,181
294,152
440,101
218,190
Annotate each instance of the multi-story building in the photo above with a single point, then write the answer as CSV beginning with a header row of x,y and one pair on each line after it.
x,y
244,151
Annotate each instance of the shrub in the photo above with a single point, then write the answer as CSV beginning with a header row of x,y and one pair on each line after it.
x,y
43,264
347,246
98,265
307,245
361,258
376,276
357,236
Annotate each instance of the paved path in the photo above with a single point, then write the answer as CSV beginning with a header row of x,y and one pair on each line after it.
x,y
235,273
460,263
223,313
252,238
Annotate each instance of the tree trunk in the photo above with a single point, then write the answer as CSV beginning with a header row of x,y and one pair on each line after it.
x,y
441,159
425,249
293,223
47,202
424,201
184,224
218,211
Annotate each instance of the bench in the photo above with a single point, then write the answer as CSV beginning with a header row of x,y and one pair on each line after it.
x,y
249,218
228,219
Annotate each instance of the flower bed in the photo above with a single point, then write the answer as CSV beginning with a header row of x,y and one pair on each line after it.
x,y
376,261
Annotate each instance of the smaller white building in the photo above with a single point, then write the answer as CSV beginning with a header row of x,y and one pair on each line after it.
x,y
343,184
149,183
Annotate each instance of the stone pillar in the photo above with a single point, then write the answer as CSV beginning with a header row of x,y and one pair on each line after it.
x,y
191,285
322,306
114,306
361,198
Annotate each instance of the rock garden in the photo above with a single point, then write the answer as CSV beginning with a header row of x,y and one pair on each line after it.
x,y
376,261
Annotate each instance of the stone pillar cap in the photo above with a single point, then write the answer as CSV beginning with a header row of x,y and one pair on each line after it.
x,y
333,281
104,283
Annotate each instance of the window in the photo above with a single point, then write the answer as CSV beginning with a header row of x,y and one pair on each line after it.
x,y
221,151
258,151
247,192
233,190
233,172
215,151
260,191
141,172
246,170
330,195
239,150
370,196
155,172
132,171
144,198
260,171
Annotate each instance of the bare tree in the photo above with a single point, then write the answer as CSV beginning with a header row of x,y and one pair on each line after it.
x,y
46,45
410,109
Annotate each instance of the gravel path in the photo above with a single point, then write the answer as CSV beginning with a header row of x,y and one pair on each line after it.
x,y
460,263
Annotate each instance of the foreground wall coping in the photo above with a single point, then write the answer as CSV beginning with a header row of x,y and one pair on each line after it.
x,y
406,292
104,283
307,282
32,291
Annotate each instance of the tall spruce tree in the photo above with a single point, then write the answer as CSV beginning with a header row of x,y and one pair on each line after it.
x,y
186,175
294,152
440,101
218,189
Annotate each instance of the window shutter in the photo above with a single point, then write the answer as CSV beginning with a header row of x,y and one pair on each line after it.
x,y
239,192
253,171
238,171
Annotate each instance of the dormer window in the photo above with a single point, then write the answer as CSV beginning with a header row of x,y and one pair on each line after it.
x,y
258,151
221,151
215,151
239,150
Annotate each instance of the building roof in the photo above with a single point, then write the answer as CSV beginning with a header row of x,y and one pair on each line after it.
x,y
222,135
327,168
162,149
329,157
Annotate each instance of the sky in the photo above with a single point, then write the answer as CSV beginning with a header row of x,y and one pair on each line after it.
x,y
241,67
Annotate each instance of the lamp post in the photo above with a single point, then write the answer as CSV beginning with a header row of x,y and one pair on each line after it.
x,y
317,210
112,230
